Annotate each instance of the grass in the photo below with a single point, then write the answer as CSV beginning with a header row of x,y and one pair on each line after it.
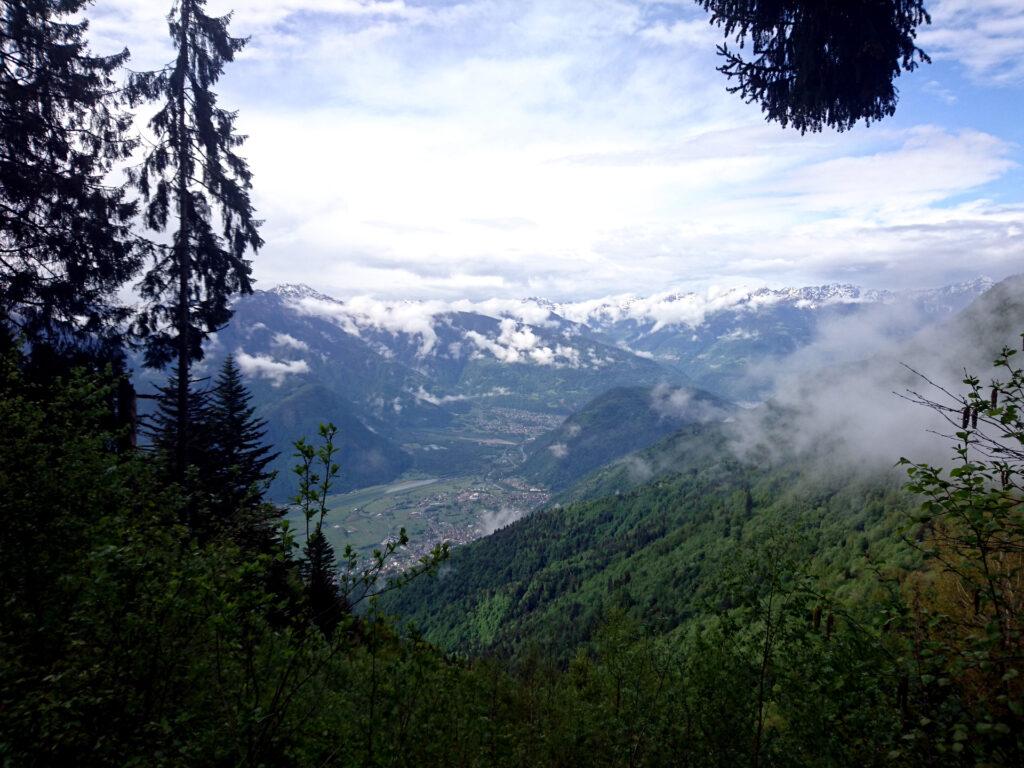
x,y
431,510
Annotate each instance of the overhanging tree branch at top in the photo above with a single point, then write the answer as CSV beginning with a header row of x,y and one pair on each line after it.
x,y
818,63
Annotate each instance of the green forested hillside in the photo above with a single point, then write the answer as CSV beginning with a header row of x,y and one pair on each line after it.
x,y
618,422
652,532
694,445
681,622
659,552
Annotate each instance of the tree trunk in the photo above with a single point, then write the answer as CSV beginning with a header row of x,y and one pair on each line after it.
x,y
127,415
184,261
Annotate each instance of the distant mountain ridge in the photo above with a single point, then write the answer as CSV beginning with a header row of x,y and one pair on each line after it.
x,y
649,533
709,338
452,386
718,338
671,308
439,389
693,308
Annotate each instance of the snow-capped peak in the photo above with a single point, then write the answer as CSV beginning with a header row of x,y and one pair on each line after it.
x,y
299,291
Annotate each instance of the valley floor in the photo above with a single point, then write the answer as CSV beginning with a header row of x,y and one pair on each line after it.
x,y
432,510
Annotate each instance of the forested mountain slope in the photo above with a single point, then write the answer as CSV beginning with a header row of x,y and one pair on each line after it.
x,y
618,422
659,552
654,533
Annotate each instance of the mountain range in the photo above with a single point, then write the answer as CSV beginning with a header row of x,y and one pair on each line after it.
x,y
658,535
462,387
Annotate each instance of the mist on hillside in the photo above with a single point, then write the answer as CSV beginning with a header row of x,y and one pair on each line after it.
x,y
846,399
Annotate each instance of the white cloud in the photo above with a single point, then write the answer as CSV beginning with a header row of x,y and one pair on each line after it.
x,y
638,352
689,32
424,396
559,450
985,36
675,308
739,334
517,343
290,342
569,148
362,312
491,521
928,165
420,318
939,91
639,470
525,311
262,366
679,403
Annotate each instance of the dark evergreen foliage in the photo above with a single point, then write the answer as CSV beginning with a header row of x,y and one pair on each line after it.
x,y
191,173
238,459
162,430
814,64
320,574
65,244
227,472
239,453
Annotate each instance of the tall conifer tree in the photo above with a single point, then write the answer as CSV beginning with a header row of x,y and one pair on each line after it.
x,y
239,459
241,455
192,176
228,472
320,570
163,424
65,242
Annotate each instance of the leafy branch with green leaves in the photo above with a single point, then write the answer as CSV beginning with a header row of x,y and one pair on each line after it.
x,y
967,609
335,591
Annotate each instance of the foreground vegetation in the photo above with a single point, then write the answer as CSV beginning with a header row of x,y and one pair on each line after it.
x,y
128,640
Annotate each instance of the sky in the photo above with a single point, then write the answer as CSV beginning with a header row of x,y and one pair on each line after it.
x,y
571,149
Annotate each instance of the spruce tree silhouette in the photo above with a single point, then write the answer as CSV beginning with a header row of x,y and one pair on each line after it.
x,y
190,172
65,239
239,458
161,429
814,64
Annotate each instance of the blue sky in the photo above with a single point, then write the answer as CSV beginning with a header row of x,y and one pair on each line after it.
x,y
579,148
